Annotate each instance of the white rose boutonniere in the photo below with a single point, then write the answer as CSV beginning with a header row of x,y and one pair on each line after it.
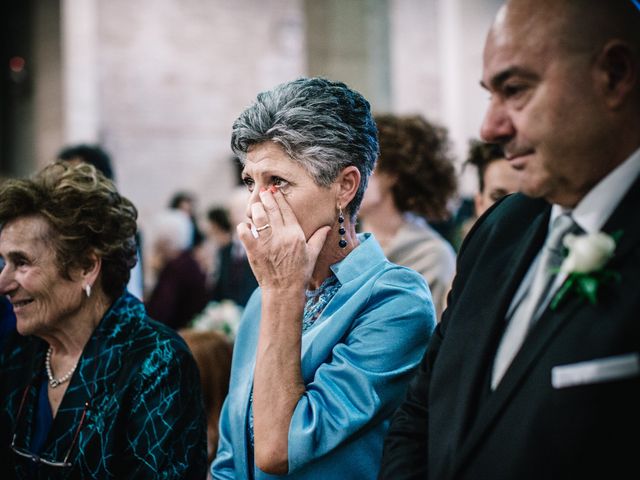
x,y
587,255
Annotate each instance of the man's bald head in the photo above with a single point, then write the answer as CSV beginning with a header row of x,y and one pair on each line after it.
x,y
564,76
577,25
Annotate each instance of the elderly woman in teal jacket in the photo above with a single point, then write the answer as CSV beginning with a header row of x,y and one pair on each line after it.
x,y
90,387
329,340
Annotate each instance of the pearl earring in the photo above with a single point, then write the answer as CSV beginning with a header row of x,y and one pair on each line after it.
x,y
87,290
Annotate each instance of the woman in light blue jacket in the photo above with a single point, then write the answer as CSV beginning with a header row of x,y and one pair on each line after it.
x,y
329,340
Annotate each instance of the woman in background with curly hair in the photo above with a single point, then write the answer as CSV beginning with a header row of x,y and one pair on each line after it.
x,y
413,181
90,387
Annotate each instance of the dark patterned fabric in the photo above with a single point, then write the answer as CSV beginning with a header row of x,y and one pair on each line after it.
x,y
7,318
144,418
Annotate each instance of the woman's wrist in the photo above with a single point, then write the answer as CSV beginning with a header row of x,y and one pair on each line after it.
x,y
278,296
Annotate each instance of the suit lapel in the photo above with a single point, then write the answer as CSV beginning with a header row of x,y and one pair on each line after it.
x,y
507,269
511,272
548,325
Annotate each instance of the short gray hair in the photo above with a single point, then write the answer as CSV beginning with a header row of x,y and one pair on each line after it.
x,y
323,125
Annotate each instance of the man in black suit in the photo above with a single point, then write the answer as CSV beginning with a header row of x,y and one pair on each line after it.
x,y
520,381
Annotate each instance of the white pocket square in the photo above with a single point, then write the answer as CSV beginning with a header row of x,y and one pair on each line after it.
x,y
596,371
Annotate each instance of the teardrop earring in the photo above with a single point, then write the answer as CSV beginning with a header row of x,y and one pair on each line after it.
x,y
342,243
87,290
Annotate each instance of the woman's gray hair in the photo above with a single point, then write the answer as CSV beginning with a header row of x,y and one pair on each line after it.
x,y
323,125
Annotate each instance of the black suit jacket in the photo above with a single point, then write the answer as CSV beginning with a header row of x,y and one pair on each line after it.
x,y
452,427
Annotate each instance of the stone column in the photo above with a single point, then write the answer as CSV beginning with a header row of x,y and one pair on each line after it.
x,y
80,71
348,40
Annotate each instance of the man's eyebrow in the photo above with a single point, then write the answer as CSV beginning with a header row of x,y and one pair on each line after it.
x,y
499,78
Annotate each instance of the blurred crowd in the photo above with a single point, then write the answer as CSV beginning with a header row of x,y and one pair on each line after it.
x,y
191,261
193,275
345,312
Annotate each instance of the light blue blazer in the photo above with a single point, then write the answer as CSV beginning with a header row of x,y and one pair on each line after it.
x,y
357,360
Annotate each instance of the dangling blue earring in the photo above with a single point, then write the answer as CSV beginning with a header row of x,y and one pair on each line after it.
x,y
342,243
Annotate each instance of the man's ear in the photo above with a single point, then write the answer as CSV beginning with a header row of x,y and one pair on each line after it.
x,y
347,183
617,68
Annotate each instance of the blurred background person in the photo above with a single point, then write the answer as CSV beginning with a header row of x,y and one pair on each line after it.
x,y
186,202
99,158
413,181
212,352
90,386
218,233
91,154
496,178
180,289
219,226
329,341
235,279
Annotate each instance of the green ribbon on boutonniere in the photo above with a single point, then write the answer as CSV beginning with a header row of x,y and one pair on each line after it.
x,y
587,255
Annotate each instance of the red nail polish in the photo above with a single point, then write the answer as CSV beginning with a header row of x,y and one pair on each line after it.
x,y
273,189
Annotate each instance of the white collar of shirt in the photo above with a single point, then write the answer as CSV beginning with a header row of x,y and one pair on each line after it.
x,y
596,207
590,214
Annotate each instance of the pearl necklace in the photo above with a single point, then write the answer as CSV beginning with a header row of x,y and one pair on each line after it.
x,y
55,382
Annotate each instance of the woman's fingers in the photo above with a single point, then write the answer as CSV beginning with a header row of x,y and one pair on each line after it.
x,y
271,208
279,254
245,234
266,217
261,217
285,209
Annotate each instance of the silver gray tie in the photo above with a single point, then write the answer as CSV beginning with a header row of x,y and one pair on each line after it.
x,y
533,303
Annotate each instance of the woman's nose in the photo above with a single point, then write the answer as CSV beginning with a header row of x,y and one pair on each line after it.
x,y
7,281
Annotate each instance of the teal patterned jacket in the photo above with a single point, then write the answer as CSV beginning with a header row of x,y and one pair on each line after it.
x,y
145,417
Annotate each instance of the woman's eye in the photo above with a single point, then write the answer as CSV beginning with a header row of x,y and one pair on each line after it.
x,y
249,183
21,262
279,182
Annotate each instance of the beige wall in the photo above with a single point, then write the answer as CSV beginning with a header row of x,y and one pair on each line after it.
x,y
159,83
349,41
174,75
